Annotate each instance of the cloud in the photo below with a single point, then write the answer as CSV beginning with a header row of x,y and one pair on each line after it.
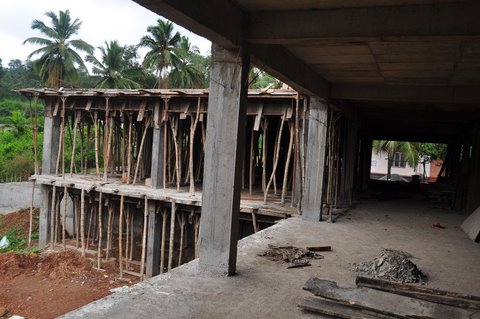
x,y
122,20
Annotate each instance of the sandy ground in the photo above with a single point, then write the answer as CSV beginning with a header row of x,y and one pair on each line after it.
x,y
267,289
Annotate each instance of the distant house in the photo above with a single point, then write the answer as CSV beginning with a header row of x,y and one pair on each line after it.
x,y
400,168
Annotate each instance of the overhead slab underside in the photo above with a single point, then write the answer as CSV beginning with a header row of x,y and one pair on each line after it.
x,y
266,289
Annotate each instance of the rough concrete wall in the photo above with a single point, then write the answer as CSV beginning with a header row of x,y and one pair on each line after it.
x,y
15,196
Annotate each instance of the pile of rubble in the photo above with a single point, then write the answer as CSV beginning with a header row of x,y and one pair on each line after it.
x,y
294,256
392,265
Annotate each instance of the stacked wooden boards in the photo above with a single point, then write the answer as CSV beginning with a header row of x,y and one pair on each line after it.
x,y
375,298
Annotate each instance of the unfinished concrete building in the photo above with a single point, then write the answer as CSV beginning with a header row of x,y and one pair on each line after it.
x,y
365,70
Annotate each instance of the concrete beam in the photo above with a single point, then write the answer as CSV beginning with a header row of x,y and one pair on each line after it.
x,y
223,156
220,21
357,24
406,93
285,66
315,159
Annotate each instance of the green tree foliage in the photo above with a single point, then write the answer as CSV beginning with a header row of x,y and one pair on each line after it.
x,y
259,79
410,152
161,43
58,61
433,150
112,69
190,69
135,70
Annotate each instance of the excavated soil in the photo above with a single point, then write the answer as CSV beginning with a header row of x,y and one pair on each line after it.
x,y
52,283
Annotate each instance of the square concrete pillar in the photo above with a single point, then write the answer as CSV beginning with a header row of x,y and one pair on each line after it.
x,y
223,155
315,159
51,139
349,163
157,157
152,263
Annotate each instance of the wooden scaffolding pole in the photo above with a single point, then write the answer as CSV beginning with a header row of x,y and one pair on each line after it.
x,y
193,127
144,238
172,235
276,156
287,163
100,233
120,236
162,246
82,220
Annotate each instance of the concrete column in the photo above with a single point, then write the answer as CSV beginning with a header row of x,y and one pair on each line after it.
x,y
44,220
157,157
152,263
51,138
349,163
315,159
223,155
473,190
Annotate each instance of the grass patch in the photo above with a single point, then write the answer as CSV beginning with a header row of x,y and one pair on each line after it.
x,y
18,240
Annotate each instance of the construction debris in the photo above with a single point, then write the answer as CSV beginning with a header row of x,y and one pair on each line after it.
x,y
294,256
471,225
392,265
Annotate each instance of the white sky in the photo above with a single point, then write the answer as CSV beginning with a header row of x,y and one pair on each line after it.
x,y
105,20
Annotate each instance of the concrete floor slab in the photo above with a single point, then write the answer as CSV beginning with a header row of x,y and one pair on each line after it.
x,y
266,289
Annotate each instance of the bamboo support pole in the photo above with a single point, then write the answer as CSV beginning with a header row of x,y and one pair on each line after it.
x,y
82,220
193,128
90,222
302,150
264,154
275,163
109,231
30,220
181,222
140,150
171,242
254,221
64,216
62,137
287,163
76,220
72,155
87,148
127,246
251,163
100,233
131,236
196,234
57,219
296,158
120,236
106,161
144,238
174,128
95,123
162,246
52,216
129,148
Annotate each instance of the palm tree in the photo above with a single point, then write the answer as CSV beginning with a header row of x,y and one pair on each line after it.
x,y
409,150
161,55
188,71
113,67
58,62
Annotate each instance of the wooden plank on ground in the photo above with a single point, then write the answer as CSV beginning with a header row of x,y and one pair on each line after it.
x,y
419,292
388,303
338,310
